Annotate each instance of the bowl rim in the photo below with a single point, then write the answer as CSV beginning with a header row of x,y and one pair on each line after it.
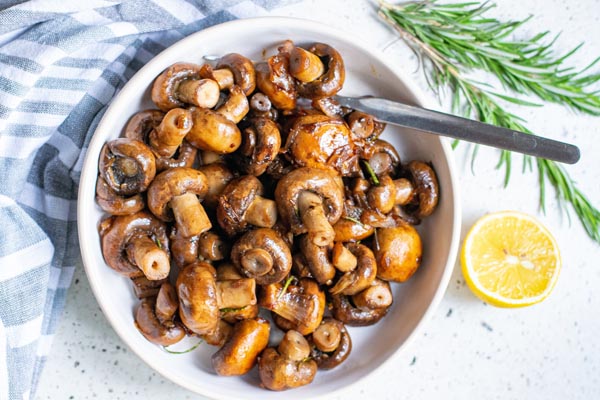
x,y
401,74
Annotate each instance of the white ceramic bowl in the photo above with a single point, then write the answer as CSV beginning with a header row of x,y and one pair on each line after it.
x,y
414,301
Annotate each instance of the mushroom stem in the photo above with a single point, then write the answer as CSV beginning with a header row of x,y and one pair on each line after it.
x,y
327,336
224,78
166,303
376,296
342,258
404,191
199,92
294,307
153,261
236,293
256,262
262,212
313,216
190,215
168,135
304,65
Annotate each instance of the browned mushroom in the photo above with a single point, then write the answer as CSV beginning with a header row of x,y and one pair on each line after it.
x,y
228,272
311,200
398,252
223,76
183,249
236,293
383,157
166,138
127,165
362,276
242,68
142,123
331,344
289,366
378,295
426,188
330,107
343,310
212,247
349,229
319,141
241,206
248,339
304,65
217,176
342,258
260,145
181,83
154,317
382,197
114,204
197,292
183,157
361,124
300,307
134,244
262,254
260,107
144,287
236,106
207,246
317,260
331,81
177,190
214,132
274,80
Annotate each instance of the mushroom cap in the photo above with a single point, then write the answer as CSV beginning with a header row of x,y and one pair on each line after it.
x,y
164,88
163,334
326,183
116,232
214,132
344,311
331,81
398,252
426,187
269,240
319,141
310,290
330,360
184,157
235,200
197,292
174,182
242,69
347,230
261,142
114,204
127,165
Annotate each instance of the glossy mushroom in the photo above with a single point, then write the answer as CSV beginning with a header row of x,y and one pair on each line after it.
x,y
127,165
398,252
235,106
115,204
330,344
142,123
287,366
361,124
261,142
261,107
154,317
343,310
360,277
426,187
246,309
183,157
319,141
197,291
300,307
213,132
378,295
274,80
144,287
382,157
208,246
262,254
317,259
218,175
239,354
181,84
174,193
304,65
134,244
330,82
243,71
310,200
350,229
241,206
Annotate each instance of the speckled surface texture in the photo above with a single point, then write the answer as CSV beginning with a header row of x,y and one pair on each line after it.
x,y
468,349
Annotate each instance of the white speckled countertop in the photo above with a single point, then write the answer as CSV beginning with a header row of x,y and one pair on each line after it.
x,y
468,349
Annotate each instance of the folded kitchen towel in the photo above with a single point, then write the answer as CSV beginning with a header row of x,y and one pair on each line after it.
x,y
61,63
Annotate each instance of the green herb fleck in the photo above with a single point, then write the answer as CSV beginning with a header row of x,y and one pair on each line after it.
x,y
372,174
231,309
285,286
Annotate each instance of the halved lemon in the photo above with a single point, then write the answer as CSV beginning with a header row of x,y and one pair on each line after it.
x,y
509,259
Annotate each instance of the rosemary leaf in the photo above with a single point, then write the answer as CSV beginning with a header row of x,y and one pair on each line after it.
x,y
194,347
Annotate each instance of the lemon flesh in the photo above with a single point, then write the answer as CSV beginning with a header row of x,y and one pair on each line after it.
x,y
509,259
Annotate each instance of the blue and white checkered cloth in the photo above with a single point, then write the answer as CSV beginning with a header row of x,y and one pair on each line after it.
x,y
61,62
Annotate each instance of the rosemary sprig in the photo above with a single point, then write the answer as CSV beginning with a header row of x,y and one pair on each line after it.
x,y
451,40
285,286
165,348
